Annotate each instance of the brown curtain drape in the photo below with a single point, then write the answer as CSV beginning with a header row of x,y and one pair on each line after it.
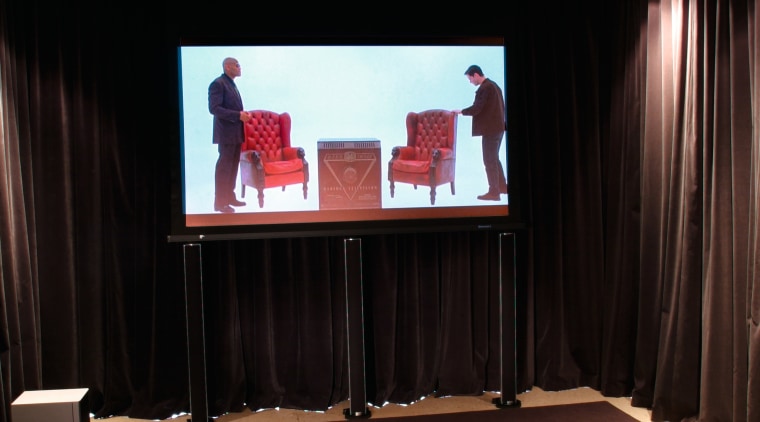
x,y
642,129
692,93
636,128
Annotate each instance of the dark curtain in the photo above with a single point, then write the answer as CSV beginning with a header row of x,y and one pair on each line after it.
x,y
636,125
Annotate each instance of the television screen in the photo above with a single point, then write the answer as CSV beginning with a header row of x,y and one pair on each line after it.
x,y
332,118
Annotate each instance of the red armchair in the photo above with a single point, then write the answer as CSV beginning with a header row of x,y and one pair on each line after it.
x,y
429,157
267,159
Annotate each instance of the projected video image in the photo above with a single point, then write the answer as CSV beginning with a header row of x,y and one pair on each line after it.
x,y
347,108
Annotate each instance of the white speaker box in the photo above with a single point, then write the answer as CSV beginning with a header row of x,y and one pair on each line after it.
x,y
69,405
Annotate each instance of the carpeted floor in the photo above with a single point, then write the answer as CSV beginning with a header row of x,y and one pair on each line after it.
x,y
600,411
536,405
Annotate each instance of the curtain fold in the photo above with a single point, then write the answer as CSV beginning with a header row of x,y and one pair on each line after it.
x,y
566,98
622,175
20,345
727,165
671,223
752,311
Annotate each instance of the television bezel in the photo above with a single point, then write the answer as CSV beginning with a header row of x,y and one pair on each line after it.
x,y
513,220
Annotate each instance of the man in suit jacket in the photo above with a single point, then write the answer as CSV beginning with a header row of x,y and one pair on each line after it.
x,y
225,103
489,122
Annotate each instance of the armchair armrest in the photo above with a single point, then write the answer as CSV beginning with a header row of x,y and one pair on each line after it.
x,y
252,157
290,153
403,153
443,154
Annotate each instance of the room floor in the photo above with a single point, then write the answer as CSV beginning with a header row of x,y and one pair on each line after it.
x,y
426,406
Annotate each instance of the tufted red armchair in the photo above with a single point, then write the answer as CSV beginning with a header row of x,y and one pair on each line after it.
x,y
267,159
429,157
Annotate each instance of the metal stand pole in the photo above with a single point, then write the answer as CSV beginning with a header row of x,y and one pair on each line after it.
x,y
196,349
507,322
352,253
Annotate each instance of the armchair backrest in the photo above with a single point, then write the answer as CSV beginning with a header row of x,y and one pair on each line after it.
x,y
268,133
431,129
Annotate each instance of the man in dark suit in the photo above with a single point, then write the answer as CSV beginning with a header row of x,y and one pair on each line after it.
x,y
489,122
225,104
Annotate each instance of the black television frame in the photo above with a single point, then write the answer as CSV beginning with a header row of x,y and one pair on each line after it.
x,y
360,222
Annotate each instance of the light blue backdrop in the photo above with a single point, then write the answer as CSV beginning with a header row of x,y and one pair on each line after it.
x,y
338,92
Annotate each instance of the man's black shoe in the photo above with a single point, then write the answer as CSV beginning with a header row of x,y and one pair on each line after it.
x,y
224,209
490,197
236,203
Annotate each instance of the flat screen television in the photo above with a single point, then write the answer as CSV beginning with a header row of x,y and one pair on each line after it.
x,y
348,100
